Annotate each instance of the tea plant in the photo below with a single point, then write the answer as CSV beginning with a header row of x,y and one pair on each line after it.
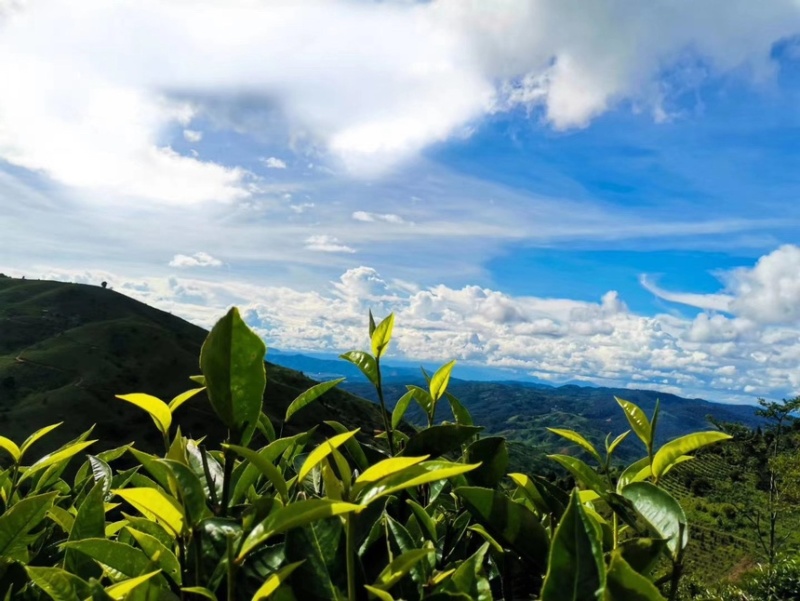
x,y
334,513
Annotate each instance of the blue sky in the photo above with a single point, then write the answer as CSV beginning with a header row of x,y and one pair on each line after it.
x,y
603,193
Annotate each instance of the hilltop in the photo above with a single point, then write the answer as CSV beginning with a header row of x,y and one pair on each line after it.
x,y
67,349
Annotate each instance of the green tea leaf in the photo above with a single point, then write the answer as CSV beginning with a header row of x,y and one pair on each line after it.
x,y
158,553
323,451
492,454
158,409
272,583
265,467
579,440
309,396
438,440
18,521
123,558
57,457
417,475
399,567
41,432
661,511
59,584
382,335
625,584
401,407
365,362
616,442
440,380
183,397
582,472
190,492
232,361
154,504
670,452
292,516
121,590
90,522
576,570
11,448
460,413
322,545
511,523
638,421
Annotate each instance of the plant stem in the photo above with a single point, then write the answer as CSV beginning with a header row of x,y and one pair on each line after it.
x,y
230,457
386,424
350,536
231,568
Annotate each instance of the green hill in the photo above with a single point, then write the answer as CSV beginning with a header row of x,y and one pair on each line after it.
x,y
67,349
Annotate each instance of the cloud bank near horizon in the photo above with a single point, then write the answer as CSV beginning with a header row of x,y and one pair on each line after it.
x,y
751,349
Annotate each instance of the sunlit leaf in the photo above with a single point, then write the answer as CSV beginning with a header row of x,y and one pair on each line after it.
x,y
59,584
309,396
154,504
440,380
638,421
579,440
56,458
292,516
11,447
183,397
626,584
382,335
322,451
274,580
670,452
155,407
121,590
365,362
40,433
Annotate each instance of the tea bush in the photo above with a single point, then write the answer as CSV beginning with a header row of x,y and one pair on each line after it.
x,y
333,513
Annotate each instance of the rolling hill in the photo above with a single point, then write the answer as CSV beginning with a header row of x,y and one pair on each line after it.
x,y
67,349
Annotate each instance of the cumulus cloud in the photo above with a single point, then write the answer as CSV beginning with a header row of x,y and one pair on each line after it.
x,y
81,106
372,217
198,259
274,163
327,244
710,355
767,293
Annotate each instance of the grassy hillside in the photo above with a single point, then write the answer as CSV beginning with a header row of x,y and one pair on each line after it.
x,y
67,349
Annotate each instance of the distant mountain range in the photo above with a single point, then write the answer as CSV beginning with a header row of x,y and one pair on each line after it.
x,y
523,410
67,349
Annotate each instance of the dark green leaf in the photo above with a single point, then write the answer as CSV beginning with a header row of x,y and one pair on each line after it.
x,y
90,522
576,569
492,454
438,440
59,584
661,511
123,558
309,396
232,361
625,584
18,521
322,545
511,523
642,553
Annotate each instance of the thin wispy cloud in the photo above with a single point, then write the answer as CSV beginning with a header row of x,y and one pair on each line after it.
x,y
327,244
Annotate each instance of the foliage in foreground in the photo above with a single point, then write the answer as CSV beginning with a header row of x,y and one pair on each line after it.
x,y
333,513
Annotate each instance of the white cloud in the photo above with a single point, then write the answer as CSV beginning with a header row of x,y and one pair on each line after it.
x,y
372,217
198,259
193,136
327,244
556,339
81,106
274,163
